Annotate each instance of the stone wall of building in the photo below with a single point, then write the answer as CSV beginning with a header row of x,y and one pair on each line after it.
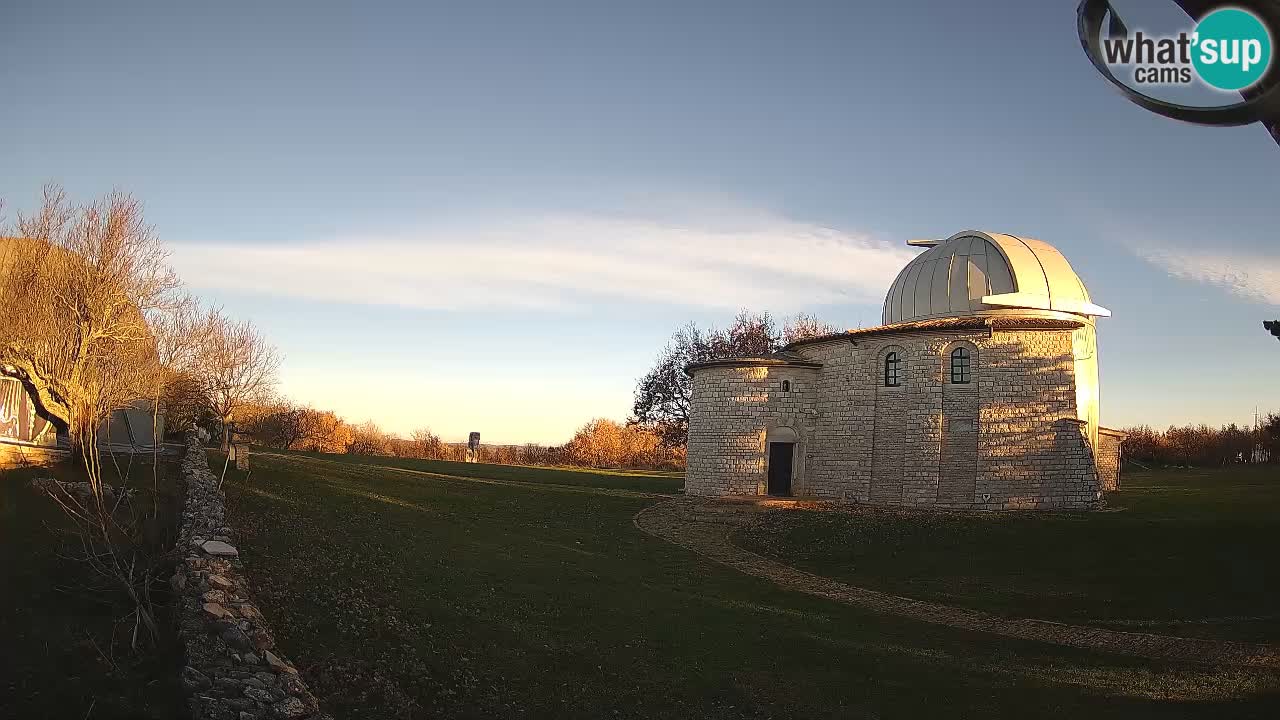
x,y
731,413
234,670
1110,457
879,444
1033,449
1009,439
960,431
890,446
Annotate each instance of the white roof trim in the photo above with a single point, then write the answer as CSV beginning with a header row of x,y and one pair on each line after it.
x,y
1044,302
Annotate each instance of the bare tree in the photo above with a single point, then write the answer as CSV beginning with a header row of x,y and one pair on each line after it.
x,y
181,333
284,424
79,282
185,400
238,365
293,425
662,396
1202,445
803,326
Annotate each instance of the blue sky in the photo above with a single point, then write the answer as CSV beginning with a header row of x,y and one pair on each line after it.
x,y
490,216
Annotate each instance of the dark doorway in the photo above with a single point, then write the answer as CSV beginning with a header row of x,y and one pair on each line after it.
x,y
780,455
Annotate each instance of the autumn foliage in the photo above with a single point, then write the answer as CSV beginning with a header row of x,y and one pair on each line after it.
x,y
600,443
603,443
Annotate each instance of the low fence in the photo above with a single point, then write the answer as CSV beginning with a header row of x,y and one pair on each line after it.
x,y
14,455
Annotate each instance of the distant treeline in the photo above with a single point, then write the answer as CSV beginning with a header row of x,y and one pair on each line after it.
x,y
603,443
1204,446
599,443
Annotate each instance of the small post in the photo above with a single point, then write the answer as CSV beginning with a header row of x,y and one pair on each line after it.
x,y
242,457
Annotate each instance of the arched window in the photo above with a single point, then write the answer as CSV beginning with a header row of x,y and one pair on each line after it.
x,y
892,370
961,366
786,386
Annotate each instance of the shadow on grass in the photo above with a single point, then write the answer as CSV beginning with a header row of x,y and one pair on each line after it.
x,y
64,640
1178,553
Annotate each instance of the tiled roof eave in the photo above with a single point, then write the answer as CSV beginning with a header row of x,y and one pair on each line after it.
x,y
752,362
994,322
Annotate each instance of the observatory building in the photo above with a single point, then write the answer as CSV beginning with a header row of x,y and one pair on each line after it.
x,y
978,391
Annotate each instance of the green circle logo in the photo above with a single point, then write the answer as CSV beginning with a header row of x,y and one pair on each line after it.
x,y
1232,49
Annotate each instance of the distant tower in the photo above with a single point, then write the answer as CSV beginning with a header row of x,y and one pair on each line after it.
x,y
473,447
1260,452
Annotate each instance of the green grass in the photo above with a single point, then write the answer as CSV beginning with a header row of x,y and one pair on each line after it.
x,y
409,594
651,481
64,649
1185,552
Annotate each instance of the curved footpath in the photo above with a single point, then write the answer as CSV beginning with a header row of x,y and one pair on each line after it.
x,y
703,526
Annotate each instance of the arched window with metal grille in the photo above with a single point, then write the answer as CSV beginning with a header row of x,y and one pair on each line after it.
x,y
961,366
892,370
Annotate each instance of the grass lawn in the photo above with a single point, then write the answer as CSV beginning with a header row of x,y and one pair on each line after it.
x,y
411,593
64,649
650,481
1183,552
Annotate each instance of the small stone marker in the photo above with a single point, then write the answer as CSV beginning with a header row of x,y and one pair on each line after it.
x,y
219,549
473,447
241,456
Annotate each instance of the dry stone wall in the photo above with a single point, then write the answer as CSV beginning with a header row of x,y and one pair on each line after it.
x,y
234,670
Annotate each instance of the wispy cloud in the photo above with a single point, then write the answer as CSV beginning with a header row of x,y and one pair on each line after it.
x,y
565,262
1249,275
